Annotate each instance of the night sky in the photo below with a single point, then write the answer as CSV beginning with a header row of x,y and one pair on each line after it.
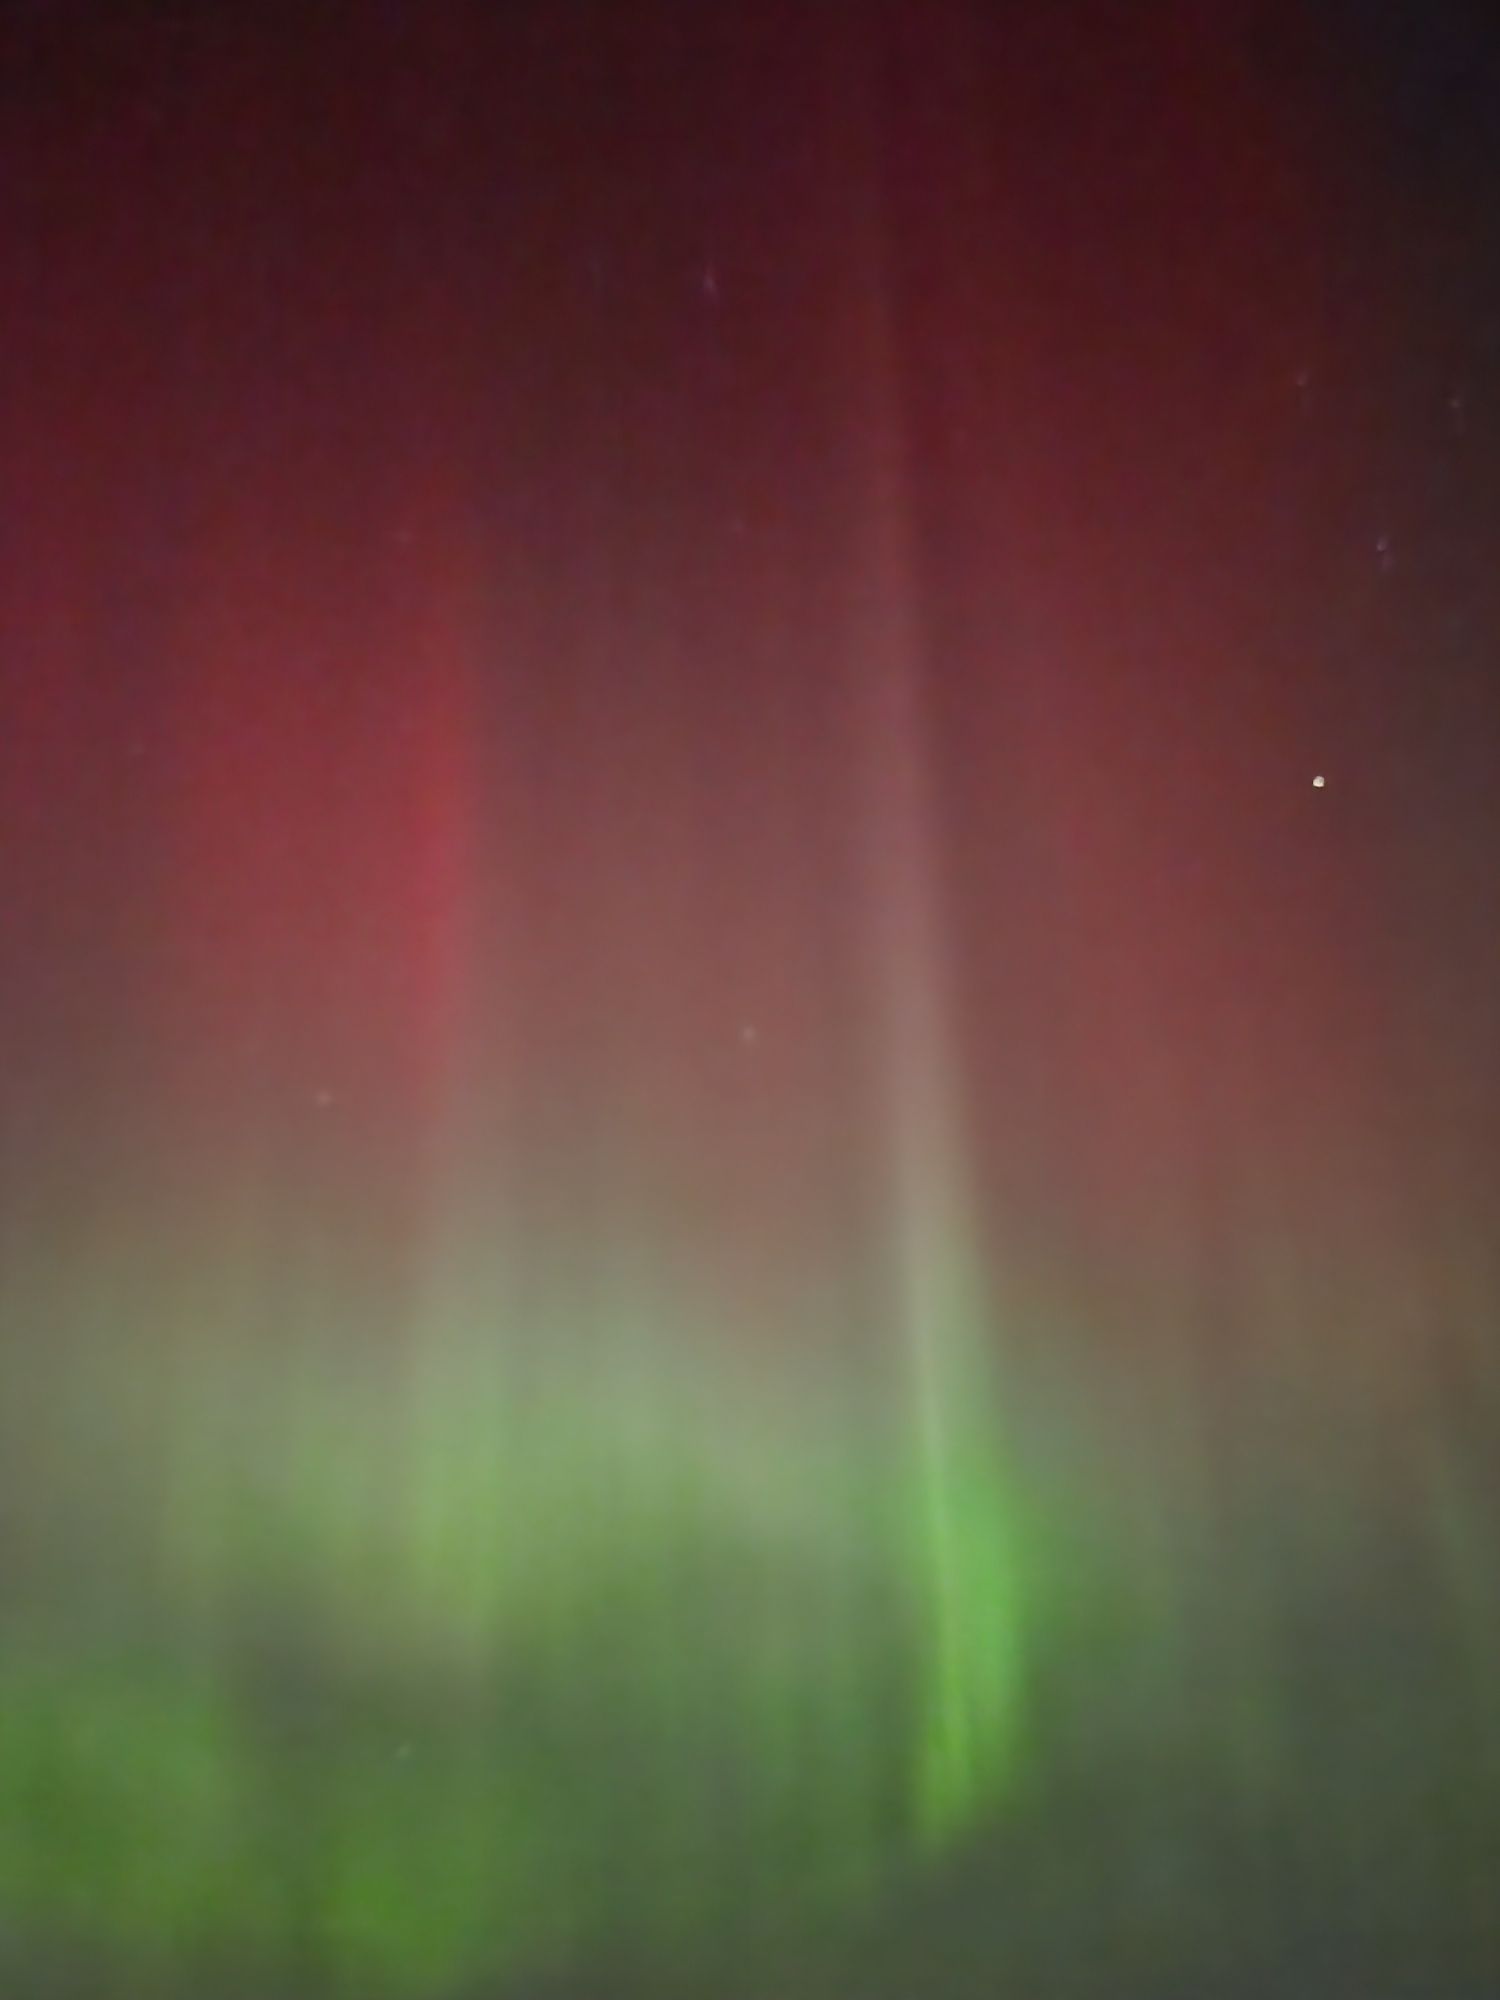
x,y
749,975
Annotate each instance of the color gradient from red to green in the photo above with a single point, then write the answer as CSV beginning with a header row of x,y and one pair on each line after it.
x,y
701,1117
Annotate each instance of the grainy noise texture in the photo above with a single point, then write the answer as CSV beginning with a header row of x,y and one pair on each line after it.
x,y
749,950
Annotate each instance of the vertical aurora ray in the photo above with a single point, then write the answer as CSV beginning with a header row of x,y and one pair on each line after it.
x,y
945,1359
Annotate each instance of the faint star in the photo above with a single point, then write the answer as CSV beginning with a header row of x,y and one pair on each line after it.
x,y
710,284
323,1098
749,1034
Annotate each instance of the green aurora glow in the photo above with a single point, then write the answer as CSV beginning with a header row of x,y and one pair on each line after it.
x,y
528,1669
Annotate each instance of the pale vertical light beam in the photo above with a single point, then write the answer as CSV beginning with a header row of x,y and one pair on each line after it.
x,y
958,1516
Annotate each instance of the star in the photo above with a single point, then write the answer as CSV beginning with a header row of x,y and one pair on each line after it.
x,y
1319,782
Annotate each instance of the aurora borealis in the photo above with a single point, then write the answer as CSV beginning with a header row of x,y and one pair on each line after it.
x,y
747,970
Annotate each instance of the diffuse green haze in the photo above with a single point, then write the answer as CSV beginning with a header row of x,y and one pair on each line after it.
x,y
391,1673
364,1664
